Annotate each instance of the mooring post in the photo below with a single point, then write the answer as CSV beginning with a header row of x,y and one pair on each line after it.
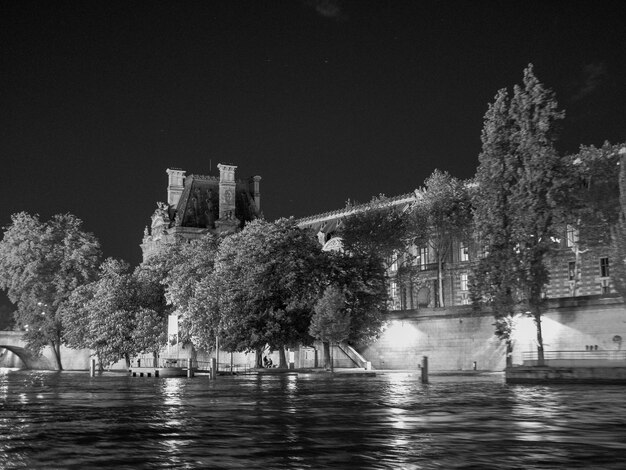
x,y
425,369
92,368
213,368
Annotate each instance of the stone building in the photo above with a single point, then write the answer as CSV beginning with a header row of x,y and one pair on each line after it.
x,y
587,276
198,204
584,315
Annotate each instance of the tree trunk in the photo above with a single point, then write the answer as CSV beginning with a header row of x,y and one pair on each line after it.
x,y
540,356
440,282
127,359
56,352
332,362
258,358
282,358
509,353
326,354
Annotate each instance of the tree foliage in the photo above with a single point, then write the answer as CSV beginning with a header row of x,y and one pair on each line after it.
x,y
189,289
363,282
106,316
378,229
267,279
331,321
514,205
41,264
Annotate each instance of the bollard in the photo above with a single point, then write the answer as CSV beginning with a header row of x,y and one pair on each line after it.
x,y
92,368
425,369
213,368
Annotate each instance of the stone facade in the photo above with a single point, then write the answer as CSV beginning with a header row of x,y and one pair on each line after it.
x,y
199,204
590,275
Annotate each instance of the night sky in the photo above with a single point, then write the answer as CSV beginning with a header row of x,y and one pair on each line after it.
x,y
326,100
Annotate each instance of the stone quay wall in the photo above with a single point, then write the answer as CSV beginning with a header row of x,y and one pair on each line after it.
x,y
458,338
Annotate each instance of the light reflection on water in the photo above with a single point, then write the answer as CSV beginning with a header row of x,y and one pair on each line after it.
x,y
69,420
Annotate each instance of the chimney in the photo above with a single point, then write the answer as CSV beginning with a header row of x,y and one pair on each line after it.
x,y
227,190
256,193
175,183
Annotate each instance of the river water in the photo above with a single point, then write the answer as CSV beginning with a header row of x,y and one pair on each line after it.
x,y
71,421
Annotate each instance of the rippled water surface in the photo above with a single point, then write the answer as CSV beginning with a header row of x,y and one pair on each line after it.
x,y
69,420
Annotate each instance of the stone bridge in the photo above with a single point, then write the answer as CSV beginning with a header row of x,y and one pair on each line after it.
x,y
70,358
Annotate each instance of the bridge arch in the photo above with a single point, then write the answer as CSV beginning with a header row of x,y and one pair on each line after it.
x,y
13,341
28,358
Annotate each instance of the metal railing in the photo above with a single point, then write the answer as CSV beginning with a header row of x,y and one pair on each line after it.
x,y
160,363
199,366
615,355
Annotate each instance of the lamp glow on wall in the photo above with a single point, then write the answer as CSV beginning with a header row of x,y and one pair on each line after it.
x,y
401,333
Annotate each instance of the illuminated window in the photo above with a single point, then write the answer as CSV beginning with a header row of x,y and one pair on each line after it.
x,y
463,252
464,281
604,267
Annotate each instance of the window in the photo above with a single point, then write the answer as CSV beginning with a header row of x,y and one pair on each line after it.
x,y
464,281
604,267
394,262
463,252
423,257
393,292
571,270
572,236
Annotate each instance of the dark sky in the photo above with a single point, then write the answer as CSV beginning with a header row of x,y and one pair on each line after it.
x,y
326,100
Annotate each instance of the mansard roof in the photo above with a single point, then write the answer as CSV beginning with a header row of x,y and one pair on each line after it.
x,y
198,205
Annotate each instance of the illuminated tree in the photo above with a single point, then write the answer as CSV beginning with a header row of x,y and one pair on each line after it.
x,y
514,203
41,264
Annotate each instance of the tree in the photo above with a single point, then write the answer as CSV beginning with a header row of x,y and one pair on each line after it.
x,y
382,232
363,283
109,316
378,229
444,210
331,321
151,304
514,205
267,279
186,289
41,264
99,315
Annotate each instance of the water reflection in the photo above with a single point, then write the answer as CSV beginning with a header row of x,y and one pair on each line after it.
x,y
317,421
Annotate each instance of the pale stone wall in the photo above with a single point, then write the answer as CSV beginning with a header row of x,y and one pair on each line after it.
x,y
455,338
